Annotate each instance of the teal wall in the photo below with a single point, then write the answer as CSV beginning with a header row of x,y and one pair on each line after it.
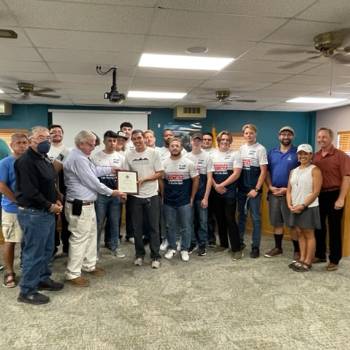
x,y
268,123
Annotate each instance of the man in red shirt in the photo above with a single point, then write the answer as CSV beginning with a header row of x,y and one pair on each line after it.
x,y
335,168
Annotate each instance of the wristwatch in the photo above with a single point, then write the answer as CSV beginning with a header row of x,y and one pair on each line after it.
x,y
256,189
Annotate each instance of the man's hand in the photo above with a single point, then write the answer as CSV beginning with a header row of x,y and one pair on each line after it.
x,y
56,208
204,203
117,193
252,194
219,188
339,204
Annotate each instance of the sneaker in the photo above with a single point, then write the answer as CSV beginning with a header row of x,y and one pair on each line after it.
x,y
50,285
202,252
138,262
237,255
155,264
332,267
317,260
212,244
184,255
193,248
118,253
255,253
131,240
1,267
164,245
273,252
79,282
170,254
34,299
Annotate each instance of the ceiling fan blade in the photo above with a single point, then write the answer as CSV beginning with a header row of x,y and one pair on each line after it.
x,y
243,100
298,63
281,51
43,90
12,89
8,34
35,93
341,58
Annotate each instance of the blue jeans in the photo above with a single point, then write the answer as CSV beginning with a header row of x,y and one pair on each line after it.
x,y
108,208
178,219
200,225
252,204
38,228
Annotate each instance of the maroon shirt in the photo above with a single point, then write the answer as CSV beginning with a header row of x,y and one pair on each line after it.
x,y
334,166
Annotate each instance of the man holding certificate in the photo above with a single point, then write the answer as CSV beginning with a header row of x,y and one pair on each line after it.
x,y
144,204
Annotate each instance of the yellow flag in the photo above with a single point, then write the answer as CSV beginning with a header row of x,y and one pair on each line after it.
x,y
213,131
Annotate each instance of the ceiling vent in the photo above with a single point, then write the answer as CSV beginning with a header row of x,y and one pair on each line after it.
x,y
5,108
190,112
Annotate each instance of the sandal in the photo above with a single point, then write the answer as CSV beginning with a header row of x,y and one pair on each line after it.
x,y
10,280
293,263
302,267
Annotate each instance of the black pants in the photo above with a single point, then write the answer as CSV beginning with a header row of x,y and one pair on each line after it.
x,y
225,213
211,218
149,208
62,236
128,221
327,211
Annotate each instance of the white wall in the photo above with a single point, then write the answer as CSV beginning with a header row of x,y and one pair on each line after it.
x,y
337,119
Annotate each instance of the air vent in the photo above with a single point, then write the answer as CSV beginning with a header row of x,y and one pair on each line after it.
x,y
5,108
190,112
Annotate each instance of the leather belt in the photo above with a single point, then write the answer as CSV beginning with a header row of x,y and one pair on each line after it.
x,y
84,202
330,189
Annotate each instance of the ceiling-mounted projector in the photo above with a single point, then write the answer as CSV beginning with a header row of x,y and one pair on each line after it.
x,y
113,95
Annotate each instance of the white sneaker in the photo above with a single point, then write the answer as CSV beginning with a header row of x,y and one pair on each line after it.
x,y
155,264
118,253
164,245
138,262
184,255
132,240
170,254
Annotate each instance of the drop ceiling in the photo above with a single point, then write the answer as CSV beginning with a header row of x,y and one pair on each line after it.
x,y
60,42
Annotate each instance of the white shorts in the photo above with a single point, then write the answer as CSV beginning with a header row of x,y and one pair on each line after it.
x,y
11,229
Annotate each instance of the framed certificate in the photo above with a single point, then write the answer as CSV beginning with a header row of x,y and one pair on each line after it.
x,y
127,182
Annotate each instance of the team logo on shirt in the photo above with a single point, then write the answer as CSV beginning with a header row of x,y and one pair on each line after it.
x,y
221,168
175,178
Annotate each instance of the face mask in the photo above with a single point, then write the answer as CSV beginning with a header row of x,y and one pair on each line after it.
x,y
44,147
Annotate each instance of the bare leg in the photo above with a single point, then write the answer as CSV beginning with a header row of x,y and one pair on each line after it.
x,y
9,253
310,246
302,243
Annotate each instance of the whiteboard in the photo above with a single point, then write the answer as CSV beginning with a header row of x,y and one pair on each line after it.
x,y
73,121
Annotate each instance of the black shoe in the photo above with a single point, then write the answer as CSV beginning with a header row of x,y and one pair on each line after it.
x,y
202,252
242,246
34,299
50,285
145,241
255,253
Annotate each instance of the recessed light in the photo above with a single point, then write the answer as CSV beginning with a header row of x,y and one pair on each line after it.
x,y
184,62
326,100
157,95
197,49
2,91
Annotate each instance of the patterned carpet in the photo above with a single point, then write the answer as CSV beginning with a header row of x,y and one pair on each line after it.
x,y
210,302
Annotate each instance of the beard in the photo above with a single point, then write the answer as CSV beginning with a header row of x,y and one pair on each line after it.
x,y
286,142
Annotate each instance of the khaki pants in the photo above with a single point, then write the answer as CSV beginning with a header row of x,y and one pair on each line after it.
x,y
82,242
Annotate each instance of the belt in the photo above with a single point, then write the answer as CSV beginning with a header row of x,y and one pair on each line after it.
x,y
330,189
84,202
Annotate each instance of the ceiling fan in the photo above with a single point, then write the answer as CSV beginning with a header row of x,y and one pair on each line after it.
x,y
224,97
334,45
26,90
8,34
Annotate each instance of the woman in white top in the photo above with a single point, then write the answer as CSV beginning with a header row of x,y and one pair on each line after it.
x,y
302,198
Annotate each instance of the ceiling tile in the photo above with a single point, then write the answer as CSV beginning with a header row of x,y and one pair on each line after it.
x,y
129,3
20,54
208,25
79,16
22,66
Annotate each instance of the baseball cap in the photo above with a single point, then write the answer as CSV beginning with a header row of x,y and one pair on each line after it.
x,y
122,135
305,147
197,135
287,128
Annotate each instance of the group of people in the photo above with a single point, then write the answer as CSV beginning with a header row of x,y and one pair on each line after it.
x,y
53,195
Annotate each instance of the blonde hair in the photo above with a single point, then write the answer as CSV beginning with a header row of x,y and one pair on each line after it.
x,y
249,126
221,134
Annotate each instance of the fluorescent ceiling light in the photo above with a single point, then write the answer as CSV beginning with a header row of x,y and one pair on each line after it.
x,y
326,100
184,62
2,91
157,94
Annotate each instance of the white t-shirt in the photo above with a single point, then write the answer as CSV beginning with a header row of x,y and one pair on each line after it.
x,y
201,161
210,151
129,146
146,163
58,152
253,155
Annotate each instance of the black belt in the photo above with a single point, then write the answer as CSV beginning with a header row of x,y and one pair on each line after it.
x,y
84,202
330,189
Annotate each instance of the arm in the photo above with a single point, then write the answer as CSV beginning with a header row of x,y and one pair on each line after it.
x,y
254,192
195,185
4,189
204,203
156,176
288,193
344,189
220,188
